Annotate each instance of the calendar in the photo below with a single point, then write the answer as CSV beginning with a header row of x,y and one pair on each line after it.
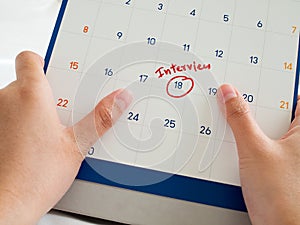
x,y
172,55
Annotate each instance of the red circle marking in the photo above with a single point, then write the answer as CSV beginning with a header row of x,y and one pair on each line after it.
x,y
184,78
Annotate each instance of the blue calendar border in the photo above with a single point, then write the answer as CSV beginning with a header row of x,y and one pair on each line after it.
x,y
55,34
193,190
175,186
296,90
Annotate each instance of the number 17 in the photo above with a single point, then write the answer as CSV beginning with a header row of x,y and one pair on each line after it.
x,y
143,78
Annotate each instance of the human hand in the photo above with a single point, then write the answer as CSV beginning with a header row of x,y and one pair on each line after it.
x,y
39,157
269,169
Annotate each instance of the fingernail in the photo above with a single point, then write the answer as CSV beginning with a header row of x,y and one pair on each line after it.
x,y
226,92
123,99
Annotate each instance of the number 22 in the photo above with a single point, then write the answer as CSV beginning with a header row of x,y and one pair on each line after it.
x,y
63,103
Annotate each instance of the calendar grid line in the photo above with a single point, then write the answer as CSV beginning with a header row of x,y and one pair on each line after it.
x,y
90,38
184,103
226,68
147,104
236,26
95,36
129,22
206,20
260,65
235,59
198,27
230,43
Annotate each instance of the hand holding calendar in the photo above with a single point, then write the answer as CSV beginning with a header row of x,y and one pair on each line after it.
x,y
269,169
39,156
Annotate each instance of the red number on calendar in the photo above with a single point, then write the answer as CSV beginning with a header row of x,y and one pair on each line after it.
x,y
294,28
74,65
288,66
86,29
63,103
284,105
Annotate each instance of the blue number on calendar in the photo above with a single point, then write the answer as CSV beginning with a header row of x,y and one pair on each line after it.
x,y
186,47
193,12
219,53
108,72
119,35
133,116
143,78
212,91
160,6
151,41
226,18
254,60
178,85
205,130
128,2
91,151
248,98
259,24
170,123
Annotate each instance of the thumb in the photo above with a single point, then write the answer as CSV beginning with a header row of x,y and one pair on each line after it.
x,y
237,112
29,66
87,131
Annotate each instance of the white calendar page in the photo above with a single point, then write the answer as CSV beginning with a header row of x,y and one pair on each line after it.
x,y
172,55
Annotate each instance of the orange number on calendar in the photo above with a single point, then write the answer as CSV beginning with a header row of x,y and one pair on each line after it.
x,y
288,66
74,65
284,105
62,103
86,29
294,28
